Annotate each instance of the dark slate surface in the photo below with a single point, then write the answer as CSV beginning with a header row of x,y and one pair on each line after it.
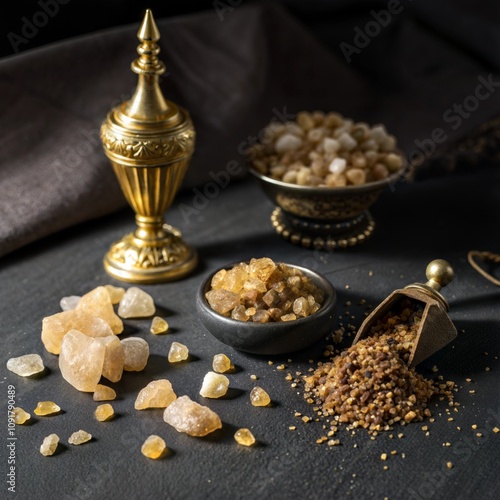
x,y
416,223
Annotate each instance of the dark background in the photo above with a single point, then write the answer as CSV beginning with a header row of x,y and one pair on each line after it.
x,y
469,28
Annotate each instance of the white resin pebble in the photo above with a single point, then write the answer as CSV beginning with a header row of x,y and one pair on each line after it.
x,y
136,354
136,303
287,142
27,365
69,303
337,166
214,385
330,145
49,445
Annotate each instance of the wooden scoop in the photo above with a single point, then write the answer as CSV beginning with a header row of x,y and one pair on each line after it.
x,y
436,329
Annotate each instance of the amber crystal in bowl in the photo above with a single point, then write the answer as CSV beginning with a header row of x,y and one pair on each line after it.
x,y
273,337
322,217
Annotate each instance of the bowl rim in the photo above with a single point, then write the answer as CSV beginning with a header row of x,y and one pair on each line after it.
x,y
351,189
329,301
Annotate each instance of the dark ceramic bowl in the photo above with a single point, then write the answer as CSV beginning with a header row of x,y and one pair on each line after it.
x,y
273,337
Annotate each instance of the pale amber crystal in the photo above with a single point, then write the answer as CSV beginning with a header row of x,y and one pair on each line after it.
x,y
104,412
244,437
20,416
154,447
46,408
259,397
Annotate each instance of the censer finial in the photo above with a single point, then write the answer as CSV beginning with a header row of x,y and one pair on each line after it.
x,y
149,141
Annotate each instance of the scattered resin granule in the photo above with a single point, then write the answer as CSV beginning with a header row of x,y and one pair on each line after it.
x,y
192,418
45,408
20,416
104,412
104,393
49,445
154,447
116,293
259,397
214,385
158,325
157,394
136,303
136,354
79,437
222,364
178,352
27,365
244,437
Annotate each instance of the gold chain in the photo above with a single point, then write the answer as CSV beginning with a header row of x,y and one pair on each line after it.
x,y
488,256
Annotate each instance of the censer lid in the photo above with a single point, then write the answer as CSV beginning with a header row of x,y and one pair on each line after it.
x,y
147,109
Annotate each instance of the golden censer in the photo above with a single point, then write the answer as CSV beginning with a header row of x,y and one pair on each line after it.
x,y
149,141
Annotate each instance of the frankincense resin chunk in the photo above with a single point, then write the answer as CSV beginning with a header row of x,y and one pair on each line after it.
x,y
79,437
27,365
178,352
222,364
104,412
214,385
81,360
154,447
104,393
55,327
114,358
116,293
98,303
158,325
259,397
244,437
222,301
46,408
192,418
20,416
136,354
49,445
136,303
157,394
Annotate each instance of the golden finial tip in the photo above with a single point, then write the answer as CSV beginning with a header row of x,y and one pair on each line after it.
x,y
439,273
148,32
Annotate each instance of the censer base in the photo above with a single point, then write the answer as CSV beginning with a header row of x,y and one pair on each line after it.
x,y
320,234
150,261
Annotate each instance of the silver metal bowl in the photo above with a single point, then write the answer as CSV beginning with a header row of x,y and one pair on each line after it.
x,y
322,217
